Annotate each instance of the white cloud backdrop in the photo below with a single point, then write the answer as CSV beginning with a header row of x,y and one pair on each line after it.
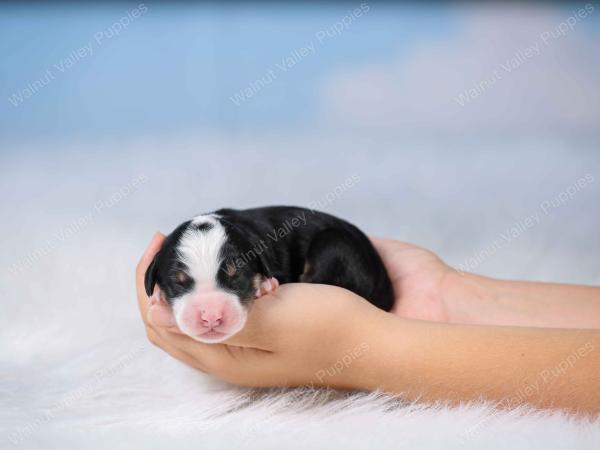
x,y
533,70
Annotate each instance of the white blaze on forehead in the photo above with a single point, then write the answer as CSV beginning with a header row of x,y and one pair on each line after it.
x,y
200,250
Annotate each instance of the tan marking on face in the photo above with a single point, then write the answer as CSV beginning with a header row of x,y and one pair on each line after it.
x,y
230,269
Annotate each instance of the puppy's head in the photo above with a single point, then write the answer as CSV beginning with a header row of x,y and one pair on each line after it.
x,y
208,270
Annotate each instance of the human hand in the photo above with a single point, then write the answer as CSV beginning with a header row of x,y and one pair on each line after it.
x,y
422,281
301,334
318,335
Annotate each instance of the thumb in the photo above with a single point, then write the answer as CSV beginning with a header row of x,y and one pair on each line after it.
x,y
161,316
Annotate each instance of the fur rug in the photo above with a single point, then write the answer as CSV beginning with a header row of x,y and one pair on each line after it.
x,y
75,368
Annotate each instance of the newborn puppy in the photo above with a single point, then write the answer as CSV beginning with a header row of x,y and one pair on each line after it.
x,y
211,268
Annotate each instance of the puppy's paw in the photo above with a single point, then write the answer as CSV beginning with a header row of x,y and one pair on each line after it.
x,y
266,287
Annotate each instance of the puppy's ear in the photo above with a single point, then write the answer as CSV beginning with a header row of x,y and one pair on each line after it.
x,y
151,277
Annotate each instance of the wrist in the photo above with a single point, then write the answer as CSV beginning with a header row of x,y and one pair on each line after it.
x,y
385,345
478,300
475,299
469,298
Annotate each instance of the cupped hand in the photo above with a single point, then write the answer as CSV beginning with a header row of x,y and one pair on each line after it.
x,y
422,281
301,334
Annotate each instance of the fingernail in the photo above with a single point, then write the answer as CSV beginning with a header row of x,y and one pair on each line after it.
x,y
157,234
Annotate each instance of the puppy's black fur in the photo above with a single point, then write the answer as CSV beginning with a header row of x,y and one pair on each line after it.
x,y
289,243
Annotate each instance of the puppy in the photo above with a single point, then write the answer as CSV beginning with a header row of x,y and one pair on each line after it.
x,y
211,268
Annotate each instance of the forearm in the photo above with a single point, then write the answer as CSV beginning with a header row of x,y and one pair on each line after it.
x,y
549,368
474,299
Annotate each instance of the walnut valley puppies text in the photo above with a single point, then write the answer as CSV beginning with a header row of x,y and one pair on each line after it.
x,y
296,55
78,54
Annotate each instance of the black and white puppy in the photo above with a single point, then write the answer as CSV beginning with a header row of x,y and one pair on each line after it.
x,y
211,268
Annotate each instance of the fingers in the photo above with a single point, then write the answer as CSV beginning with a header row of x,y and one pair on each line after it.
x,y
209,357
151,250
160,315
157,340
383,246
259,325
377,241
169,338
140,271
388,246
392,251
269,314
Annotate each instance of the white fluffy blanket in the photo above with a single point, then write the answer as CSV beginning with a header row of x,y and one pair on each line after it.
x,y
76,371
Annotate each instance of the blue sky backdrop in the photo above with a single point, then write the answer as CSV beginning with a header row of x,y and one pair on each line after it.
x,y
176,68
459,121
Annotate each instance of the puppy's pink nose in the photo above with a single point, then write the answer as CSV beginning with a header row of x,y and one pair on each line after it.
x,y
211,318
